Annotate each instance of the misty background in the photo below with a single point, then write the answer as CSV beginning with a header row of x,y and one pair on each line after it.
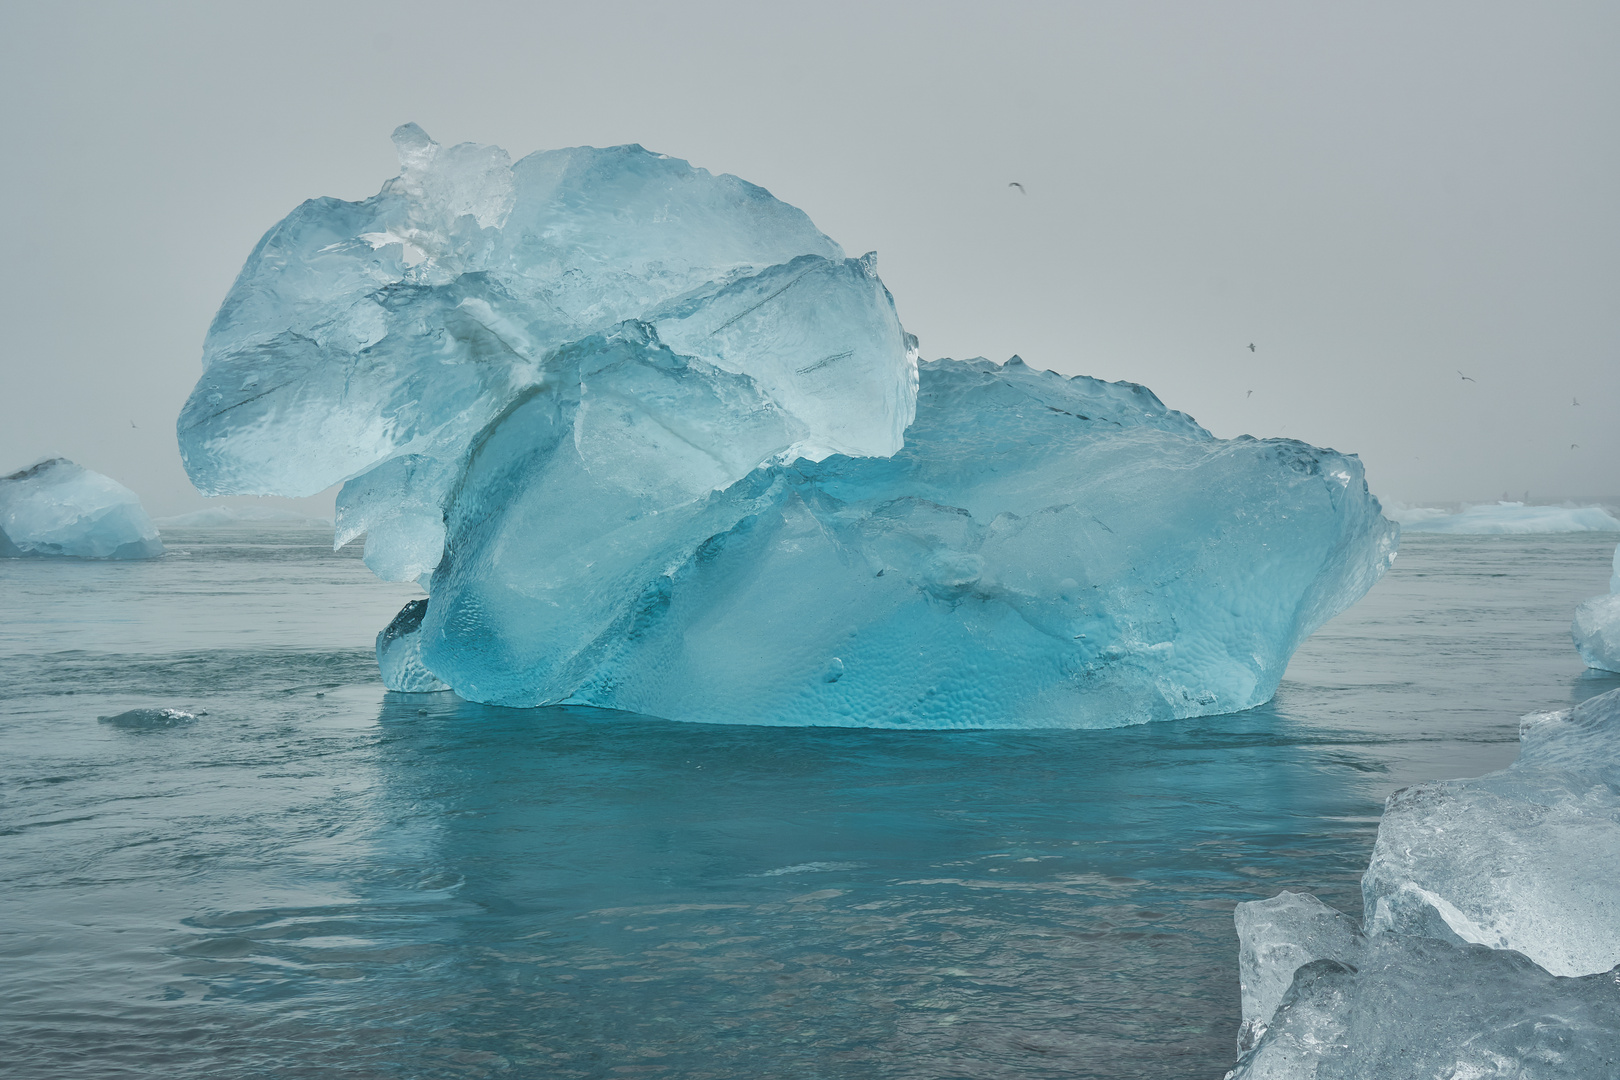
x,y
1377,196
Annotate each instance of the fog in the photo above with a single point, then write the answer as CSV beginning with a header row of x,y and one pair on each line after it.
x,y
1380,198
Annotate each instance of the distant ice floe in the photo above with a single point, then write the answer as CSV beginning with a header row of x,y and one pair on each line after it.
x,y
57,509
1491,936
1503,518
1596,628
239,517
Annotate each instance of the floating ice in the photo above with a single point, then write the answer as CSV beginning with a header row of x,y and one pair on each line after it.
x,y
652,443
150,719
1493,932
1510,518
57,508
1596,629
399,653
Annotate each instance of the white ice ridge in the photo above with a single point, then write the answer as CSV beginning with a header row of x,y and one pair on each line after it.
x,y
652,443
241,517
1504,518
1596,628
1492,932
58,509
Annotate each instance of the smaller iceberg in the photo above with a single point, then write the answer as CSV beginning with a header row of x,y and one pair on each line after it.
x,y
1504,519
1490,943
1596,629
58,509
242,517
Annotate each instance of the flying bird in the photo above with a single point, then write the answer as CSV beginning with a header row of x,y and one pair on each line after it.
x,y
1576,400
1251,346
1465,378
1574,446
1019,186
132,423
1250,394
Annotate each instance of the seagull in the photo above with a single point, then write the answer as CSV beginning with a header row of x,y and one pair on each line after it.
x,y
1250,394
1465,378
1251,346
1576,400
1019,186
132,423
1574,446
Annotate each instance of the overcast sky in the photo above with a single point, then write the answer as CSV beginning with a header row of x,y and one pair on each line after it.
x,y
1376,195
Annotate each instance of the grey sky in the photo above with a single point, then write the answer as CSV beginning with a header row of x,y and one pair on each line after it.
x,y
1375,195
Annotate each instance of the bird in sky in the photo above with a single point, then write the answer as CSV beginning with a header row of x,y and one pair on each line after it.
x,y
1576,400
1574,446
1465,378
1019,186
1250,394
132,423
1251,346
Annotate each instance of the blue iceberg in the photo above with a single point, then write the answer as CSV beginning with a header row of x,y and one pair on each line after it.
x,y
651,442
1596,628
58,509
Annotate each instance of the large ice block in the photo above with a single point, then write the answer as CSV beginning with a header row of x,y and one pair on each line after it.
x,y
1596,628
57,508
651,442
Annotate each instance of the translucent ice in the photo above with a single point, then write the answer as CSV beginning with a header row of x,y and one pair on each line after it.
x,y
1596,629
1399,1007
57,508
1519,859
639,430
399,653
1277,937
1505,518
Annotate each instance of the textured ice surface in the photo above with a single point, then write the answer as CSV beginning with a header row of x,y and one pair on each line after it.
x,y
1494,931
1596,628
1277,937
1043,552
1402,1008
1506,518
639,428
150,719
399,653
1520,859
57,508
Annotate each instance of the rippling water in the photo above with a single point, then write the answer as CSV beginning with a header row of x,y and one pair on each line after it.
x,y
320,879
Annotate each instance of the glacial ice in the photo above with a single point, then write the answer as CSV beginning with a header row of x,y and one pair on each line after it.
x,y
1504,518
1491,936
1596,628
57,508
399,653
652,443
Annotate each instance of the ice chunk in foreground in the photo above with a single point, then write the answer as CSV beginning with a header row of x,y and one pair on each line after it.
x,y
399,653
652,443
57,508
1494,932
1505,518
1401,1008
1596,629
1520,859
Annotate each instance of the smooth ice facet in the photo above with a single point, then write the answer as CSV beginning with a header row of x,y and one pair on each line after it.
x,y
1520,859
57,508
1276,938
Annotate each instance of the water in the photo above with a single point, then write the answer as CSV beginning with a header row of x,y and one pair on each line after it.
x,y
320,879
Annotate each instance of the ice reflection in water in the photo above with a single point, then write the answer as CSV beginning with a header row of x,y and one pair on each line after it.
x,y
363,885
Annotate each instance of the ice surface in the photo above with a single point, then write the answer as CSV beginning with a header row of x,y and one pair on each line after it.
x,y
638,429
1596,629
1519,859
399,653
1493,929
150,719
1418,1008
1505,518
57,508
1277,937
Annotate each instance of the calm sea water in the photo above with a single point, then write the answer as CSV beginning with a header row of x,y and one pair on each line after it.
x,y
322,879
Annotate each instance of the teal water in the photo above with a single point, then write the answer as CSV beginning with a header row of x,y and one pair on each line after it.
x,y
321,879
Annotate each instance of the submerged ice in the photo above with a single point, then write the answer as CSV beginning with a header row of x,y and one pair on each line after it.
x,y
57,508
652,442
1491,940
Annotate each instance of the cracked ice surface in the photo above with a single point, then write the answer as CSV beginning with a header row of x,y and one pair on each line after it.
x,y
652,443
57,508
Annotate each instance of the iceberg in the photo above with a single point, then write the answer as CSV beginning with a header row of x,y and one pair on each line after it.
x,y
58,509
1505,519
241,517
651,442
1596,628
1490,944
